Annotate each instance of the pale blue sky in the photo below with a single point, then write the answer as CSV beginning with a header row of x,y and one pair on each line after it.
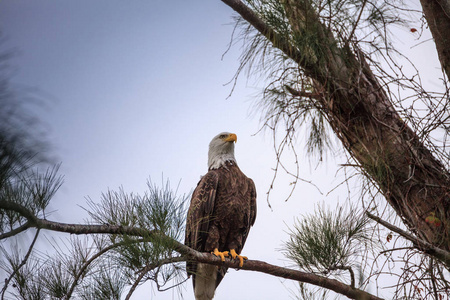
x,y
135,89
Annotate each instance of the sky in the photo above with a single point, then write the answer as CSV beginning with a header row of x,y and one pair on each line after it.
x,y
136,90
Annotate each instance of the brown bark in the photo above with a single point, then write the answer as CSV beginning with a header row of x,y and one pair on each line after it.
x,y
437,13
412,180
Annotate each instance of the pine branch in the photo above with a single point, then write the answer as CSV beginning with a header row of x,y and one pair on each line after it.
x,y
190,254
36,222
88,262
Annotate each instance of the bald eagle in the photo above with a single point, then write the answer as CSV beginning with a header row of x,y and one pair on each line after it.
x,y
222,210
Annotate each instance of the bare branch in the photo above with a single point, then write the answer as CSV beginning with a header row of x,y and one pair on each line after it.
x,y
357,22
422,245
15,231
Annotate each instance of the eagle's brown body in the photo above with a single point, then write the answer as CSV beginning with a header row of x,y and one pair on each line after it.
x,y
222,210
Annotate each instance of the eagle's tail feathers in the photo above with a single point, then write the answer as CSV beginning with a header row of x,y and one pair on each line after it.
x,y
205,281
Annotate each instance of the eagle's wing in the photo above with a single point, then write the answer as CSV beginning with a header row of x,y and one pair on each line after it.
x,y
252,216
200,213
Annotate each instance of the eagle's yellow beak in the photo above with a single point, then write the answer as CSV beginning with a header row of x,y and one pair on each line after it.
x,y
231,138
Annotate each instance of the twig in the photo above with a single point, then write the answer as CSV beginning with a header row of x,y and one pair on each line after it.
x,y
350,270
150,267
356,23
396,249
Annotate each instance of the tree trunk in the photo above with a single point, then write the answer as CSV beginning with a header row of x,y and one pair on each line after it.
x,y
437,13
412,180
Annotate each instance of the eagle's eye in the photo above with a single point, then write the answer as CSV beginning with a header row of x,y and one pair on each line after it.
x,y
222,136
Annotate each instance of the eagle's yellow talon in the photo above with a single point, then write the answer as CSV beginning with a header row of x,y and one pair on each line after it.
x,y
222,255
240,257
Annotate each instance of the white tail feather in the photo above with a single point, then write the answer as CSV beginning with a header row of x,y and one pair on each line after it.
x,y
205,282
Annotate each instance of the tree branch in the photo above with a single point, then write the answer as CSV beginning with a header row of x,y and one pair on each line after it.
x,y
34,221
15,231
263,267
422,245
350,270
278,41
191,254
437,13
350,36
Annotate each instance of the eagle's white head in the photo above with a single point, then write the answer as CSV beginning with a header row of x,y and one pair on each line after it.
x,y
221,149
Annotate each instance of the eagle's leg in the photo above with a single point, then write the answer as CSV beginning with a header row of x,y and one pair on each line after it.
x,y
222,255
241,258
